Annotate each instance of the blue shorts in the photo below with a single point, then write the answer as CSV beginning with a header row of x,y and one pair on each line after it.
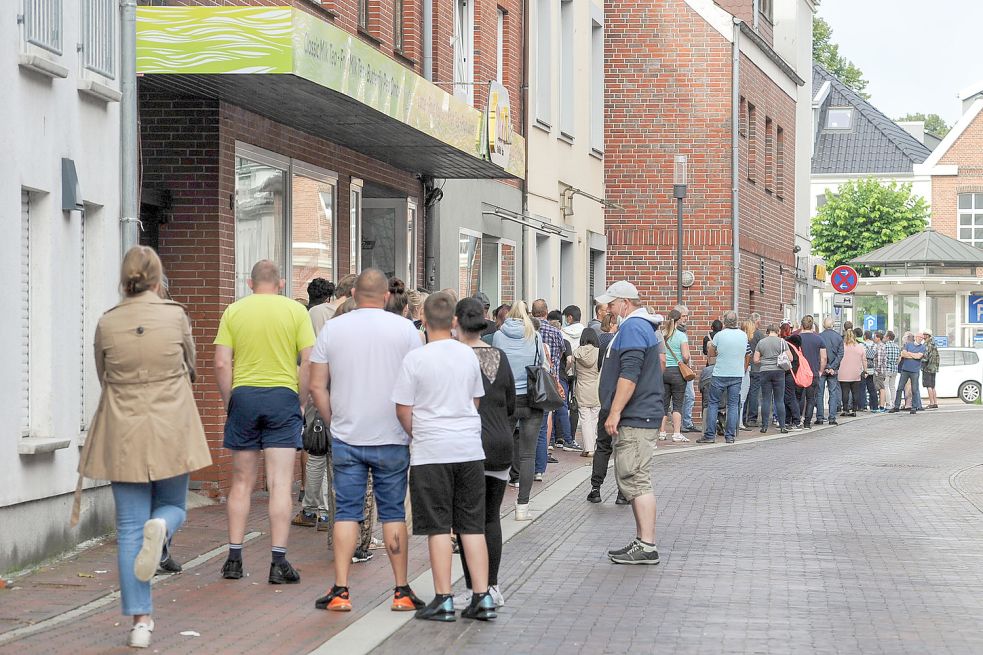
x,y
390,467
264,417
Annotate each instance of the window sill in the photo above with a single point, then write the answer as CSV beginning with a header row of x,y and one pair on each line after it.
x,y
43,65
566,138
40,446
99,90
365,34
400,56
596,154
543,125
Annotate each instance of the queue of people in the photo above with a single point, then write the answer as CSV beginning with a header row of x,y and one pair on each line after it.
x,y
433,406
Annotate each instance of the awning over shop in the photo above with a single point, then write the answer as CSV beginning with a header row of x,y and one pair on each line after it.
x,y
301,71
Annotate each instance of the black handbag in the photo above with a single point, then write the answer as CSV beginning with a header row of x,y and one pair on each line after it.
x,y
316,439
541,387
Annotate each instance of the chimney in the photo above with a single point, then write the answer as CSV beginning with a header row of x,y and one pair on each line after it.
x,y
969,95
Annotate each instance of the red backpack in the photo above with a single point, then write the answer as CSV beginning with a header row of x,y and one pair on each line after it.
x,y
802,377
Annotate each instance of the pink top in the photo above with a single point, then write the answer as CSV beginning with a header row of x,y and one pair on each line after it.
x,y
853,364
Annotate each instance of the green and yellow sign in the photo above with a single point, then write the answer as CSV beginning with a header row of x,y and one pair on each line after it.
x,y
284,41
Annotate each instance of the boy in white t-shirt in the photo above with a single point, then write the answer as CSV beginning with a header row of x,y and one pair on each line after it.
x,y
436,395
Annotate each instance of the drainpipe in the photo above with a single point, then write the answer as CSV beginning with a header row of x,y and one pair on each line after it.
x,y
735,118
524,90
428,39
129,204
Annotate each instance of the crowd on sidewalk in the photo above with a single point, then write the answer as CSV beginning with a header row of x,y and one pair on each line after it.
x,y
422,409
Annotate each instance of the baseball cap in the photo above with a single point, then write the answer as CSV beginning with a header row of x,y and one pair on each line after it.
x,y
927,331
482,298
659,318
622,289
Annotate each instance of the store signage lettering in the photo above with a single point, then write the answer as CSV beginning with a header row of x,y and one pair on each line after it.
x,y
499,125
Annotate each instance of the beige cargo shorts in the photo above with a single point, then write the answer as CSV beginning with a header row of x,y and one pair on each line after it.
x,y
633,450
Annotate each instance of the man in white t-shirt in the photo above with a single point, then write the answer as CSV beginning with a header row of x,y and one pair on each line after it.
x,y
354,367
436,396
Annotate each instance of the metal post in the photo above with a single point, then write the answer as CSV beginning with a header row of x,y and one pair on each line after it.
x,y
129,203
679,251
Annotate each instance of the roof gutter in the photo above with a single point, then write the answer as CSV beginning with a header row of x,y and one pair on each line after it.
x,y
735,118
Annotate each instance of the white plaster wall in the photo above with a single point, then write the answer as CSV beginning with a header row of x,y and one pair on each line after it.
x,y
44,120
921,185
555,161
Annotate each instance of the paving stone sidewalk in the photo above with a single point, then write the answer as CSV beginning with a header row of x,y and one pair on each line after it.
x,y
860,539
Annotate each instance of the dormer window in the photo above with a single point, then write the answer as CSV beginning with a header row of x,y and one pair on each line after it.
x,y
839,118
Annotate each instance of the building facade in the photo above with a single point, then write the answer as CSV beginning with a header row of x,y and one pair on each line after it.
x,y
322,147
59,191
702,79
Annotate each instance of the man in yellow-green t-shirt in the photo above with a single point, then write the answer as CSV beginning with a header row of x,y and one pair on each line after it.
x,y
261,340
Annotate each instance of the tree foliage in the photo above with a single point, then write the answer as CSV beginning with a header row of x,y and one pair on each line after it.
x,y
933,123
827,54
864,215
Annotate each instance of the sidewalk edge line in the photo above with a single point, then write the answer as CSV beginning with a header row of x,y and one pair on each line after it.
x,y
102,601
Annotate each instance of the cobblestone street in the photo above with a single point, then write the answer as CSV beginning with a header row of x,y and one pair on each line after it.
x,y
860,539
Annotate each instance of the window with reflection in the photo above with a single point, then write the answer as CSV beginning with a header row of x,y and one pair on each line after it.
x,y
469,267
312,232
260,218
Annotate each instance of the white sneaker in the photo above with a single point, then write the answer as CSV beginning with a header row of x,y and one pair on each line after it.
x,y
538,477
463,599
663,436
497,596
154,535
522,512
140,635
678,438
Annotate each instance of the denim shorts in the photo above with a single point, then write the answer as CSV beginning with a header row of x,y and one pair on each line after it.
x,y
264,417
390,465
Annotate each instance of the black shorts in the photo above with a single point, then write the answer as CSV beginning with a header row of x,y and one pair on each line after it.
x,y
674,387
928,380
448,498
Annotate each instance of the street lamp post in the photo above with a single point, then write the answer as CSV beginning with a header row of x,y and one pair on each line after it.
x,y
679,192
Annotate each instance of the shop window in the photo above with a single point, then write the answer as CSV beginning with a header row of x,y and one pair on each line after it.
x,y
971,218
544,62
752,142
312,221
398,33
469,264
769,155
500,48
25,313
260,218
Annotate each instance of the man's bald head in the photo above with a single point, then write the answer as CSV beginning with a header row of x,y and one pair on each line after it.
x,y
371,289
539,308
265,277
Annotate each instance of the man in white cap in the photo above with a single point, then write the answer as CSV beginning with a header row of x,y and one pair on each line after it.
x,y
631,394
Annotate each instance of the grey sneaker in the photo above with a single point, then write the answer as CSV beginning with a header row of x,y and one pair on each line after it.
x,y
622,550
572,447
638,553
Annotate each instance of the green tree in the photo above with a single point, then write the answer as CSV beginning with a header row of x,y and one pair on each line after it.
x,y
827,54
933,123
864,215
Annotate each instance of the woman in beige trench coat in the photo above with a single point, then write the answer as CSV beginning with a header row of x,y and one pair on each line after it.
x,y
146,436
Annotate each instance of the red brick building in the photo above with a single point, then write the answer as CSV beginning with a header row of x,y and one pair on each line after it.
x,y
316,146
671,71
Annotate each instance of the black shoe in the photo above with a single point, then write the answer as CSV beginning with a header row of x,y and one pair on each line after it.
x,y
441,608
852,415
482,608
807,426
404,600
336,600
893,410
752,423
283,573
730,440
783,431
832,422
914,411
232,569
692,428
622,550
169,566
594,496
362,555
639,553
705,440
819,421
763,430
621,500
552,460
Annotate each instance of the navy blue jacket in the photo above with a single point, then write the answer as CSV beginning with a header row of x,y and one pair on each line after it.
x,y
634,355
834,348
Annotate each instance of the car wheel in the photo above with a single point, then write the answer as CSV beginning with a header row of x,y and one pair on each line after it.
x,y
969,392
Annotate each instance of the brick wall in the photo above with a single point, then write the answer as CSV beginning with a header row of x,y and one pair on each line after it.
x,y
967,153
668,91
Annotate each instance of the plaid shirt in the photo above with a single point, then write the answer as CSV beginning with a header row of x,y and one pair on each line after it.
x,y
892,353
553,339
880,359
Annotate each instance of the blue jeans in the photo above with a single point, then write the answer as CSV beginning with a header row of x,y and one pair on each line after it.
x,y
733,388
688,401
753,397
916,392
831,383
390,466
561,421
137,503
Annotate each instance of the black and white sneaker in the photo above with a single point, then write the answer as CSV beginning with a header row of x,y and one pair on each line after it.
x,y
639,553
622,550
362,555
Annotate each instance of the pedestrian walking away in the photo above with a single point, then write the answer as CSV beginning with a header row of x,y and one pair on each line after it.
x,y
522,346
674,384
729,350
588,363
497,412
631,391
260,340
436,396
145,358
772,355
354,367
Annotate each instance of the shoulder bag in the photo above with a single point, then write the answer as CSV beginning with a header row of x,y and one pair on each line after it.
x,y
541,387
684,369
784,361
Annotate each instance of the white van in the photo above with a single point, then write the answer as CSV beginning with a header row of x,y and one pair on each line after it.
x,y
960,375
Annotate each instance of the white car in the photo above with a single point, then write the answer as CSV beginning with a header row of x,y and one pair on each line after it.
x,y
960,375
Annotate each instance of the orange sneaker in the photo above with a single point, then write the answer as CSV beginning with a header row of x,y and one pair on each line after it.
x,y
336,600
404,600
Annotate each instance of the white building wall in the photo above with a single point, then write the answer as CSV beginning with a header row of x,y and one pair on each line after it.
x,y
562,155
46,119
921,185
